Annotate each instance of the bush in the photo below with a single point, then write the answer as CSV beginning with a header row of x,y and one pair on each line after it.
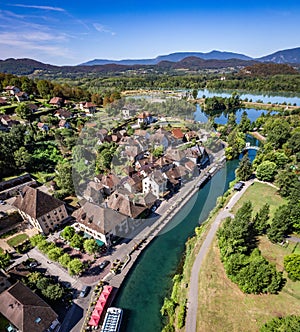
x,y
292,266
64,260
181,316
287,324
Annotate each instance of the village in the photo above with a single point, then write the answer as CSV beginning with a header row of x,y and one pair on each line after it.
x,y
153,160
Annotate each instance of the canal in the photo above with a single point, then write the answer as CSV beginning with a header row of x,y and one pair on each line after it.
x,y
150,280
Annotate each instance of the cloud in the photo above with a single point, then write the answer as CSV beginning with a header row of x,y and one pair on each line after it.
x,y
103,28
57,9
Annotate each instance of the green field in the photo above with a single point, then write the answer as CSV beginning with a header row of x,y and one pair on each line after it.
x,y
14,241
222,305
260,194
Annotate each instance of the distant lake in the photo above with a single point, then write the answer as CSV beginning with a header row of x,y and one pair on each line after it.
x,y
252,113
292,98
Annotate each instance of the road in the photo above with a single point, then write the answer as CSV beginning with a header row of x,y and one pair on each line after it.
x,y
192,306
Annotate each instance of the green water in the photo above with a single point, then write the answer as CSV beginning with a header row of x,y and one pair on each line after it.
x,y
150,281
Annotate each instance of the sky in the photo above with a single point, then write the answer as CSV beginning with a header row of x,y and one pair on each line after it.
x,y
72,32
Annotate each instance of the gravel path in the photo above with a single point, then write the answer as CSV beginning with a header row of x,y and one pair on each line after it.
x,y
192,304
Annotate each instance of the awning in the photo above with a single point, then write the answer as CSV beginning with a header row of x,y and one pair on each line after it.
x,y
94,321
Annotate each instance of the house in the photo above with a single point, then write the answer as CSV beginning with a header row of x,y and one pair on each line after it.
x,y
175,155
63,114
156,183
7,121
163,163
177,133
174,178
192,168
64,124
123,202
56,101
129,111
43,211
94,192
43,126
3,101
88,107
21,96
109,181
12,90
133,183
145,117
102,223
26,311
190,135
158,139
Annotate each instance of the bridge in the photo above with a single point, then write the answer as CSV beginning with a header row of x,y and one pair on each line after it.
x,y
250,147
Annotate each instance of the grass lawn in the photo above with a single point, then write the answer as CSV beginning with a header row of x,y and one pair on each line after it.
x,y
14,241
260,194
223,307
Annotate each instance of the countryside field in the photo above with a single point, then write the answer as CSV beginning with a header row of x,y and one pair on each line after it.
x,y
222,306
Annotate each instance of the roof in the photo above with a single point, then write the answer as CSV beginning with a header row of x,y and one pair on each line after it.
x,y
98,218
26,310
35,202
177,133
143,115
110,180
158,177
55,100
89,105
122,201
63,113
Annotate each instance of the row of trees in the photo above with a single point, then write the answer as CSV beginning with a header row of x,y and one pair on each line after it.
x,y
217,105
74,266
242,260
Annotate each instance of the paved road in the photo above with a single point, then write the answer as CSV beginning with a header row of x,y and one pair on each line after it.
x,y
191,318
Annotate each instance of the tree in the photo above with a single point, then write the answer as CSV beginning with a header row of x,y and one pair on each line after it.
x,y
64,260
33,278
42,283
34,240
266,171
245,123
22,158
44,88
53,292
287,180
76,241
244,170
68,233
158,152
23,111
280,225
278,131
90,246
195,93
75,267
292,266
64,177
236,143
55,253
4,260
285,324
261,218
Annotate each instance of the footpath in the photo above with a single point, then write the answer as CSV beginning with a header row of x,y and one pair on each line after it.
x,y
192,303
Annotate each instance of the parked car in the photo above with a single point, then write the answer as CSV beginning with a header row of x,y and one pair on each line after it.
x,y
2,202
103,264
84,291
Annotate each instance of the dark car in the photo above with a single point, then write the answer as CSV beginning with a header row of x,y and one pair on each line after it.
x,y
103,264
84,291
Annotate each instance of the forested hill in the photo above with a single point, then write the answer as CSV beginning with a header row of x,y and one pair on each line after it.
x,y
268,69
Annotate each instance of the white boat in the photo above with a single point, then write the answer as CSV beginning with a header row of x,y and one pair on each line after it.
x,y
112,320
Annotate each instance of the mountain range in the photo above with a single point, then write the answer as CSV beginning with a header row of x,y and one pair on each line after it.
x,y
183,61
284,56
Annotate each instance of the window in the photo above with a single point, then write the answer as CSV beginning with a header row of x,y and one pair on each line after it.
x,y
37,320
